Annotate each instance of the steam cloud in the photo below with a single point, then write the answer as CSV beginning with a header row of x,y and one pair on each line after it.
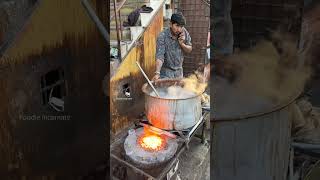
x,y
270,73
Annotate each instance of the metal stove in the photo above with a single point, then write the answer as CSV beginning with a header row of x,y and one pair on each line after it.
x,y
126,162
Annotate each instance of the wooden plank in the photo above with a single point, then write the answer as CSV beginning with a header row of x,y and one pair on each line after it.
x,y
128,71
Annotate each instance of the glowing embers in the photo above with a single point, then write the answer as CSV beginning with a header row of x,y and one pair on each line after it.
x,y
147,148
151,142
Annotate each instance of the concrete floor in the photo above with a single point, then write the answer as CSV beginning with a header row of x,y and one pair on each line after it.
x,y
194,164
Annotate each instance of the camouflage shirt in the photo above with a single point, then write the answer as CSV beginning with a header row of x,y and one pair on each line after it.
x,y
171,54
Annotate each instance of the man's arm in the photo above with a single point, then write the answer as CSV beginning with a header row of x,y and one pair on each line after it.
x,y
158,65
185,48
158,68
160,51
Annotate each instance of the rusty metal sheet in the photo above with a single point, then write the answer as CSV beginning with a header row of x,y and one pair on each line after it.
x,y
122,110
149,41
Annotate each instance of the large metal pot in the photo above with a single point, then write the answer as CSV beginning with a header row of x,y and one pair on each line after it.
x,y
171,114
251,146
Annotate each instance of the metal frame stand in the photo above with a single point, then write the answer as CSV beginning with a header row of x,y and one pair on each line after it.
x,y
184,138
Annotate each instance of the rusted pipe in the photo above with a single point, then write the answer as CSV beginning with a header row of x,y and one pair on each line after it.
x,y
96,20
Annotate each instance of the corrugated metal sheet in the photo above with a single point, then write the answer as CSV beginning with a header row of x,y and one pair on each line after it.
x,y
197,15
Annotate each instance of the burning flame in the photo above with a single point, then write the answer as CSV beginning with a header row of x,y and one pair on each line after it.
x,y
150,141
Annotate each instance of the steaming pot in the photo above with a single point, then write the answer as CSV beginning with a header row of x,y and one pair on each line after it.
x,y
171,114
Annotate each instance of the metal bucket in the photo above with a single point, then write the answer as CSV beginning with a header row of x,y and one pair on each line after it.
x,y
169,114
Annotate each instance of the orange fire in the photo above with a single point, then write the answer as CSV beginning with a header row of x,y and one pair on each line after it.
x,y
150,141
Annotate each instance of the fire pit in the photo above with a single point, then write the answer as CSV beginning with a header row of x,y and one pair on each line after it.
x,y
150,152
147,149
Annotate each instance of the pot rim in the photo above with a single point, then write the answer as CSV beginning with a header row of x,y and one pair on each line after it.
x,y
277,107
144,90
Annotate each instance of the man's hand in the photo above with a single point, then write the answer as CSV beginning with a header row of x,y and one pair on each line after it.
x,y
181,38
158,68
155,78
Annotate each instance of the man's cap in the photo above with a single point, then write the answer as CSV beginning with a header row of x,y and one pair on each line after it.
x,y
179,19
